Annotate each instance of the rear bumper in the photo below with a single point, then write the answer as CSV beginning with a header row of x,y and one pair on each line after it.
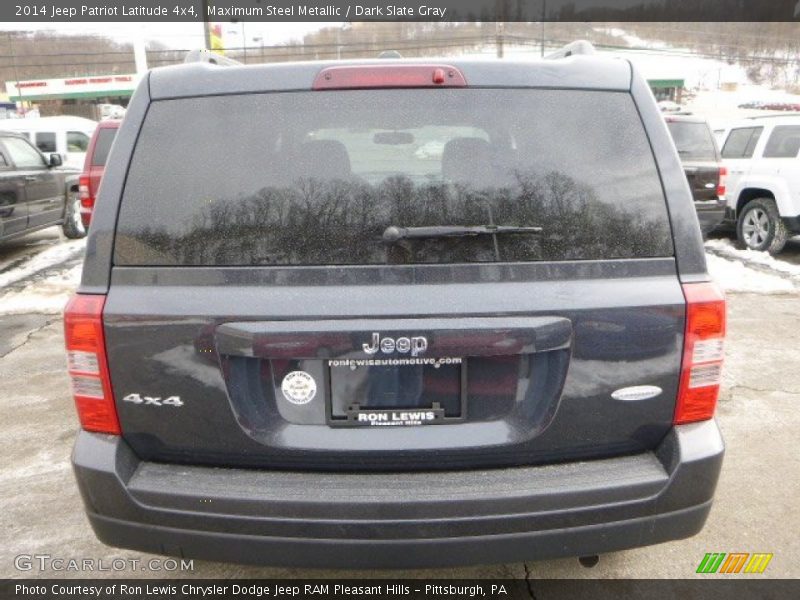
x,y
400,520
792,224
710,213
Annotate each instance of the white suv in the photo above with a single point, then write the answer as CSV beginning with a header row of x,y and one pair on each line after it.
x,y
763,184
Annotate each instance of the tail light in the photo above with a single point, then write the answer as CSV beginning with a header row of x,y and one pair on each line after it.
x,y
723,175
87,200
701,369
87,364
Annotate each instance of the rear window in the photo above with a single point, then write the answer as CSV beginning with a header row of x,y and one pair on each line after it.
x,y
105,137
316,178
693,140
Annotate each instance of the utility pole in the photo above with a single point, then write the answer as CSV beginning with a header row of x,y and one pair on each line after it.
x,y
500,16
544,16
500,28
260,40
139,52
244,42
16,71
206,26
344,27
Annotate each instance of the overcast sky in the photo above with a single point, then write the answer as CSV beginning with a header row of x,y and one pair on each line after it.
x,y
180,35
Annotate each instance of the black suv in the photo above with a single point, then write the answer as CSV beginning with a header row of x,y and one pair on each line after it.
x,y
34,194
395,313
703,167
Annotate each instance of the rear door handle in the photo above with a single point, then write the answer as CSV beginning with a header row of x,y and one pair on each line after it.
x,y
31,178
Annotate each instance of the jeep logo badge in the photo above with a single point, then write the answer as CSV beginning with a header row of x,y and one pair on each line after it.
x,y
415,345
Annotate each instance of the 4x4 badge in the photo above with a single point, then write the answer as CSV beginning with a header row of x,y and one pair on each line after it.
x,y
415,345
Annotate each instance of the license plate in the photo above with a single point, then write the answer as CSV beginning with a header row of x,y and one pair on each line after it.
x,y
395,393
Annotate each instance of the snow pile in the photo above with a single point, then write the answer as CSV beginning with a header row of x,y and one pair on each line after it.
x,y
734,276
726,249
47,296
52,256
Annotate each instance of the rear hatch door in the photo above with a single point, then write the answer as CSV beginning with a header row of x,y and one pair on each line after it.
x,y
394,279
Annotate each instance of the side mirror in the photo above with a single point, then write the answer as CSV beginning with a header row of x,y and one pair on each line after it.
x,y
55,160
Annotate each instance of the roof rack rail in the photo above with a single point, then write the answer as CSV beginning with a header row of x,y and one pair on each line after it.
x,y
577,47
213,58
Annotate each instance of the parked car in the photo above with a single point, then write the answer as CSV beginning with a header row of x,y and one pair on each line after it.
x,y
668,106
753,104
111,111
67,136
296,342
94,165
703,166
763,189
34,192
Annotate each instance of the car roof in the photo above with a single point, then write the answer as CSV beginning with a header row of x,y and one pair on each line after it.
x,y
109,124
49,123
790,119
577,72
16,134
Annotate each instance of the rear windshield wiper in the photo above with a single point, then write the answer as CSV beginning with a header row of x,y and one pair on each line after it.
x,y
392,234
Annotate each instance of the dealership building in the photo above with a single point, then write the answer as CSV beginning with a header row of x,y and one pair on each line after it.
x,y
77,96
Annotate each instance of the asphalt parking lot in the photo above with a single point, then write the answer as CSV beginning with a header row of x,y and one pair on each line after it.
x,y
756,508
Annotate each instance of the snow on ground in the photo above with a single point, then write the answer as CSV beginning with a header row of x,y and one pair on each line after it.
x,y
48,296
631,39
54,255
726,249
736,276
703,76
721,107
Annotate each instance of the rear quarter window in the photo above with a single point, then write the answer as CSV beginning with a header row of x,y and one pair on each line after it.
x,y
105,137
315,178
783,142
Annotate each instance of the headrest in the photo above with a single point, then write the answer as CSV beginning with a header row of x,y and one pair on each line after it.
x,y
467,161
323,159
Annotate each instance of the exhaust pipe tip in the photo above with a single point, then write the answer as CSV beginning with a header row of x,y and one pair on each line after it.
x,y
589,561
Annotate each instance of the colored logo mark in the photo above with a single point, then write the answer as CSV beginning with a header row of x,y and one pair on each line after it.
x,y
734,562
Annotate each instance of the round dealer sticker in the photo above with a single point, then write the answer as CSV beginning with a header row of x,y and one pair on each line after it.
x,y
299,387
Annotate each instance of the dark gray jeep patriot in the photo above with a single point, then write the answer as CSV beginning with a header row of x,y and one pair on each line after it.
x,y
395,313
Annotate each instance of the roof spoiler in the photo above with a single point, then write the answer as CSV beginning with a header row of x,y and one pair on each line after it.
x,y
213,58
573,48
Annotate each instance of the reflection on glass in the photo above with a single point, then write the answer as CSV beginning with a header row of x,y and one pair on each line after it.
x,y
315,178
